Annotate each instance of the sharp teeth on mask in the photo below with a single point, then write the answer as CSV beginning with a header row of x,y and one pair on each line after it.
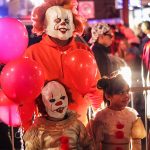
x,y
60,109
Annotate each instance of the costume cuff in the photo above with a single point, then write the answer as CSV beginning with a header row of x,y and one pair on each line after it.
x,y
138,131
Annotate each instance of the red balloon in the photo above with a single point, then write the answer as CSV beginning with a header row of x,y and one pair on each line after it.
x,y
4,101
26,112
22,80
9,111
80,70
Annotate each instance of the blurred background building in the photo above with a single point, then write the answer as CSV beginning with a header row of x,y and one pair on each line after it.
x,y
130,12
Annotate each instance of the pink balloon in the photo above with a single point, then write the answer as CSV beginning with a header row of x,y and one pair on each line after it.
x,y
9,113
13,39
22,80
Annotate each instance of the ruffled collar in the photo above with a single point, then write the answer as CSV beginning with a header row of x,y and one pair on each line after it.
x,y
45,124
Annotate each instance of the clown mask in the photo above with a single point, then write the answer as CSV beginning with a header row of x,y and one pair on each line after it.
x,y
59,23
55,100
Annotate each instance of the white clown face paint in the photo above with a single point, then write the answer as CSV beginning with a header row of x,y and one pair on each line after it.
x,y
55,100
59,23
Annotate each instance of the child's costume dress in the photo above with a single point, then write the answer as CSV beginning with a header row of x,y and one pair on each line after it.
x,y
115,129
68,134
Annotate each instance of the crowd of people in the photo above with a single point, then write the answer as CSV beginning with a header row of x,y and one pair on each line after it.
x,y
63,121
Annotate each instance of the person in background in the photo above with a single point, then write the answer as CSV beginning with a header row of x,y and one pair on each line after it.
x,y
87,33
123,47
145,27
57,127
117,63
146,56
33,38
114,126
102,38
139,32
58,22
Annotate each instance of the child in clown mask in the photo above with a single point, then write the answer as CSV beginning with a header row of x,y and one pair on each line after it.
x,y
57,128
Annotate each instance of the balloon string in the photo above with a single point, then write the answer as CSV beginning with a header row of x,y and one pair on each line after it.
x,y
12,137
12,129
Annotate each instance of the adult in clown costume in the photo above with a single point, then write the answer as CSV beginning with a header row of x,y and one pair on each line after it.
x,y
58,22
57,128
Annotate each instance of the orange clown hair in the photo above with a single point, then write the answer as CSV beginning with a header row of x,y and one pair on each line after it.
x,y
38,15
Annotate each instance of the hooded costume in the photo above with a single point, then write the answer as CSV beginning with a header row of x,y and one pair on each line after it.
x,y
58,21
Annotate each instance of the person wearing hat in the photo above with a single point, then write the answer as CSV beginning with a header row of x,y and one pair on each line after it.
x,y
102,38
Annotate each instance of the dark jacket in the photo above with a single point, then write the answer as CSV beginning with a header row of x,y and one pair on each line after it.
x,y
102,59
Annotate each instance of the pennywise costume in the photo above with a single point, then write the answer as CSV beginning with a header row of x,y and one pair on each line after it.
x,y
115,129
68,134
57,128
58,21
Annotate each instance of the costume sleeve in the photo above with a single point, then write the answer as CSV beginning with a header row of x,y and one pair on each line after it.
x,y
136,144
95,130
84,139
31,139
138,131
